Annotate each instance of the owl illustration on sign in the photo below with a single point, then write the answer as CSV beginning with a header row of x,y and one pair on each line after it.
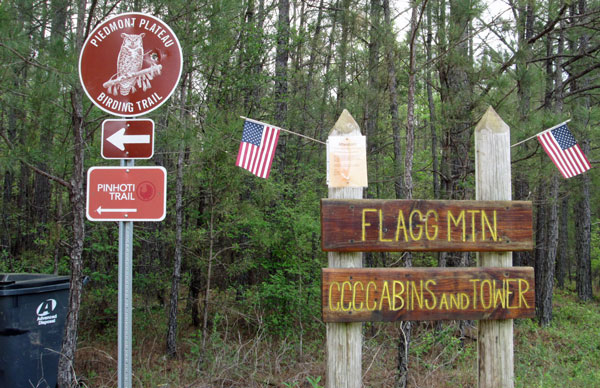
x,y
131,58
130,72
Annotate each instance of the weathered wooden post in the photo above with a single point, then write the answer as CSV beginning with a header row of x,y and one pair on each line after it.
x,y
344,340
493,182
492,224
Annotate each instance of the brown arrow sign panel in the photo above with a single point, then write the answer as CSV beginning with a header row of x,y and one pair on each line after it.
x,y
127,139
425,225
391,294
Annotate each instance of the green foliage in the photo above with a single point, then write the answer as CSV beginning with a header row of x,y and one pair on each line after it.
x,y
566,353
314,381
595,248
262,237
100,303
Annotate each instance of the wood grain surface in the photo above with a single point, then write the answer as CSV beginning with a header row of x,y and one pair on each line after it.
x,y
392,294
425,225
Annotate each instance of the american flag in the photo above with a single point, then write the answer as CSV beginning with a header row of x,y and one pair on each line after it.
x,y
257,148
564,151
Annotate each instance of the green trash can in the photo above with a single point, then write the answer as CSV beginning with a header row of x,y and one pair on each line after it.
x,y
33,310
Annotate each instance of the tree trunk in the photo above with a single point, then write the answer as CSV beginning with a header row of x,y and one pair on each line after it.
x,y
524,78
282,54
583,232
456,92
406,327
548,261
195,287
343,52
176,278
281,61
562,256
208,273
313,55
521,186
432,115
562,248
392,86
540,242
66,373
583,224
372,90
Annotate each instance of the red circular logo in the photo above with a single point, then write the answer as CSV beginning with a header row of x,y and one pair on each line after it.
x,y
146,191
130,64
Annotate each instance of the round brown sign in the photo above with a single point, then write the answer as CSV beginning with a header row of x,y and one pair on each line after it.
x,y
130,64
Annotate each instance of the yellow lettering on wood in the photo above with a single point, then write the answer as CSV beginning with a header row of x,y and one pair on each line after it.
x,y
337,306
381,228
364,223
473,232
401,225
435,226
456,222
493,229
418,294
360,307
385,293
443,302
419,226
474,281
509,293
522,292
490,294
397,295
342,296
433,297
499,295
367,296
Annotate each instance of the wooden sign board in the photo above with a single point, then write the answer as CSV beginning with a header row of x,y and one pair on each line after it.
x,y
411,294
425,225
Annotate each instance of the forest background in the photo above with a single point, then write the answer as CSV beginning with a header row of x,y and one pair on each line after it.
x,y
227,287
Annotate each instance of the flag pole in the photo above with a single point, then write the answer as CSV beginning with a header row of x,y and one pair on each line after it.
x,y
281,129
549,129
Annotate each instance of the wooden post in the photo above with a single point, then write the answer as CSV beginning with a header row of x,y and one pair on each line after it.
x,y
493,182
344,340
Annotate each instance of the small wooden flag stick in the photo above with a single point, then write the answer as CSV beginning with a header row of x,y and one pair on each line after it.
x,y
284,130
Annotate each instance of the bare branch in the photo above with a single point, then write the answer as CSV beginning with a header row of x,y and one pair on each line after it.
x,y
549,26
35,168
580,74
29,61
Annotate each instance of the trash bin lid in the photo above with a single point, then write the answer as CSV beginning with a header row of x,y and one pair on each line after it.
x,y
25,283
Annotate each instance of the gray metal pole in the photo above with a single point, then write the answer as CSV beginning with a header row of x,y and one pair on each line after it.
x,y
125,296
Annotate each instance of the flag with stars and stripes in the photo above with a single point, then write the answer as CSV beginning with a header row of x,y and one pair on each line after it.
x,y
564,151
257,148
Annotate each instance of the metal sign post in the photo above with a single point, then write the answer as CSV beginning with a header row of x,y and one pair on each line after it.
x,y
129,66
125,296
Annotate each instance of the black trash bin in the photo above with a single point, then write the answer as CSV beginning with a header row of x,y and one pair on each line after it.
x,y
33,310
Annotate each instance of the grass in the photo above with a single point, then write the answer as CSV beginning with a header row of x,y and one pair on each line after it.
x,y
241,353
565,354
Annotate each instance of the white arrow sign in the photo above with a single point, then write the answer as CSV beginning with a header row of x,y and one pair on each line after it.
x,y
119,139
100,210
